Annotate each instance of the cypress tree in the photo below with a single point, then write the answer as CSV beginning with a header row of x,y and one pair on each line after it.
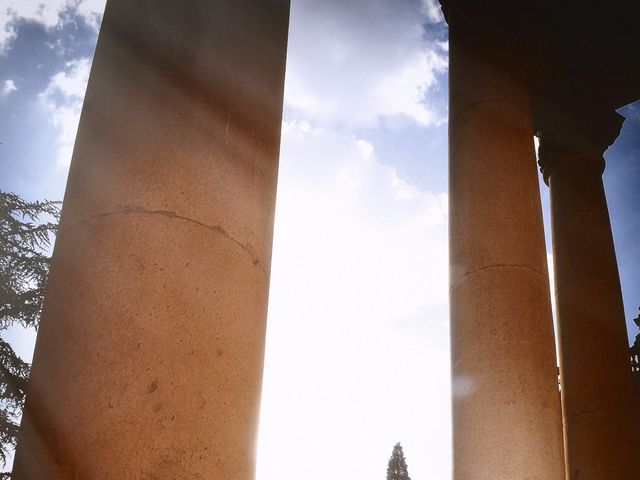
x,y
397,468
26,232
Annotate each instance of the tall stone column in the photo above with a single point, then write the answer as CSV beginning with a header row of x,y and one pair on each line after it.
x,y
599,404
506,403
149,358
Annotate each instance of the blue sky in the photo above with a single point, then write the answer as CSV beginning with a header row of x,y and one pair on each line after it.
x,y
357,344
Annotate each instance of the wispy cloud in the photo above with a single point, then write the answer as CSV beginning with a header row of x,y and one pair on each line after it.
x,y
354,62
8,87
357,345
358,304
357,349
63,100
49,14
432,9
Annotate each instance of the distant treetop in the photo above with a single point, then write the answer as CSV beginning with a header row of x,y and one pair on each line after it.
x,y
397,468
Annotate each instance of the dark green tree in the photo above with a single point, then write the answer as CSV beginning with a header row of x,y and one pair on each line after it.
x,y
26,233
634,350
397,468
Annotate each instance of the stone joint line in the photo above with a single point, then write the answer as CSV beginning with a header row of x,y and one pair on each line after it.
x,y
126,210
483,102
588,412
490,267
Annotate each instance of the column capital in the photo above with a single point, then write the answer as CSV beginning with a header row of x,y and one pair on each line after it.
x,y
576,137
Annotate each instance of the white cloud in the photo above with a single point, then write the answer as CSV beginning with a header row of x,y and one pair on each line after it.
x,y
365,148
9,86
404,92
91,11
432,9
46,13
63,100
357,345
357,348
552,293
358,338
354,62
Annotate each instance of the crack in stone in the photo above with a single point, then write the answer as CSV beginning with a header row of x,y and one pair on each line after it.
x,y
589,412
489,267
126,209
483,102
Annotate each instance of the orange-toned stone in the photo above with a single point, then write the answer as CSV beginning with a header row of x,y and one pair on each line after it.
x,y
149,358
600,405
506,403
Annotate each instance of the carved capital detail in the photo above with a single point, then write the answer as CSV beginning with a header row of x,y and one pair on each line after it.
x,y
575,138
552,155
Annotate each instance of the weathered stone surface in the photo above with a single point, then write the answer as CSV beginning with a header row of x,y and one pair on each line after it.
x,y
506,404
599,400
148,363
578,65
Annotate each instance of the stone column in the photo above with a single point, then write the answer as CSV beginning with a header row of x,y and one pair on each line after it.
x,y
599,404
149,358
506,403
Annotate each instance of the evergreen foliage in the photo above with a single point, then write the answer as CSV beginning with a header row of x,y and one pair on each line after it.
x,y
397,468
26,230
636,344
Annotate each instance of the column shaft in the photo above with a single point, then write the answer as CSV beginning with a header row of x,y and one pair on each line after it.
x,y
506,404
148,362
599,403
